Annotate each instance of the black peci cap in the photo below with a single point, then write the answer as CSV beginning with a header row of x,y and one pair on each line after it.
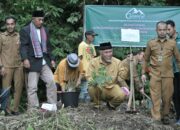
x,y
105,45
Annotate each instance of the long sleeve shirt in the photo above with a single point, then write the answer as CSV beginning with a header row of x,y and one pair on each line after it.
x,y
126,63
65,74
115,70
9,50
159,55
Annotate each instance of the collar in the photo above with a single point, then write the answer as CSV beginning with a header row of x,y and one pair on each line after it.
x,y
159,40
10,34
102,62
86,41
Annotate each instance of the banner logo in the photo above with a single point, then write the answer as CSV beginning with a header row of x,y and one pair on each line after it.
x,y
135,14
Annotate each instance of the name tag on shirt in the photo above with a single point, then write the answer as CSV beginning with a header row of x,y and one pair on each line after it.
x,y
160,58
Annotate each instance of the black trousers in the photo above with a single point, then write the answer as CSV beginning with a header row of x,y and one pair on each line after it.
x,y
176,95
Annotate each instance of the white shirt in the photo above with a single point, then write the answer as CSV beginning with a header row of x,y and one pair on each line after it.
x,y
39,37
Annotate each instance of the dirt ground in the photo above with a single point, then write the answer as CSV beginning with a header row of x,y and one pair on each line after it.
x,y
105,119
85,117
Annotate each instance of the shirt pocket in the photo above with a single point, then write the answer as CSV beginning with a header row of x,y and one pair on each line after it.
x,y
155,50
168,51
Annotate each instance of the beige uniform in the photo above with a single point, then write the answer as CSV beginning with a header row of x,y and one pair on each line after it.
x,y
111,92
160,54
126,63
11,60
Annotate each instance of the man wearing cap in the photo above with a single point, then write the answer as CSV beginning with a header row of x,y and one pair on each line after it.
x,y
111,91
69,72
86,53
37,59
11,64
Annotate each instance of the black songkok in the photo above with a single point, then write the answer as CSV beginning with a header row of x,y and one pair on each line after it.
x,y
105,45
38,13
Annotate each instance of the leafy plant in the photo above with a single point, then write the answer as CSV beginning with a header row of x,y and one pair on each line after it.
x,y
100,77
70,86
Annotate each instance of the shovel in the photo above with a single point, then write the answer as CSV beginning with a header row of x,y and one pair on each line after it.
x,y
149,101
4,92
132,94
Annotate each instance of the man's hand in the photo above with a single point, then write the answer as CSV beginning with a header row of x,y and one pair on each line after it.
x,y
3,71
143,78
78,82
53,64
26,63
62,89
141,90
126,91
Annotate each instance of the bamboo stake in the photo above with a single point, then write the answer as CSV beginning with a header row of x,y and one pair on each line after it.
x,y
132,94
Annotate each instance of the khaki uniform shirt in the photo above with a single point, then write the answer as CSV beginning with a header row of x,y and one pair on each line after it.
x,y
9,50
115,70
126,63
160,54
64,73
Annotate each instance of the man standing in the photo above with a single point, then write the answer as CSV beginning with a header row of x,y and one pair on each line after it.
x,y
110,92
86,53
12,68
160,52
171,31
37,58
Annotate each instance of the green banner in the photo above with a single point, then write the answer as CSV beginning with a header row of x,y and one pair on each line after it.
x,y
127,25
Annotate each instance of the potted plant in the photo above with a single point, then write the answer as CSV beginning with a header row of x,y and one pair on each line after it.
x,y
71,95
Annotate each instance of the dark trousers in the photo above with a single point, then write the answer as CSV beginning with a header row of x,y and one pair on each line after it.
x,y
4,94
176,95
58,94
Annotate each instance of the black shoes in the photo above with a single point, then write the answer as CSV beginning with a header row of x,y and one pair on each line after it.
x,y
7,113
165,120
15,113
110,107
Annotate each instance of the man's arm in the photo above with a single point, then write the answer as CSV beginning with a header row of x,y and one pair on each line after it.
x,y
1,50
80,51
137,81
61,74
146,59
122,74
24,40
2,70
81,74
147,55
177,55
94,51
90,70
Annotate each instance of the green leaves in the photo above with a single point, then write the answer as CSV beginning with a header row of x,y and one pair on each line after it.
x,y
74,17
100,77
29,127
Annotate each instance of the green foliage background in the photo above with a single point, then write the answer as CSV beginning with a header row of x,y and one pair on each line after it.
x,y
64,18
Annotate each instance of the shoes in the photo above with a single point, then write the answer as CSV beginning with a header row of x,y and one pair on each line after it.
x,y
7,113
165,120
178,122
97,107
158,122
15,113
110,107
2,112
